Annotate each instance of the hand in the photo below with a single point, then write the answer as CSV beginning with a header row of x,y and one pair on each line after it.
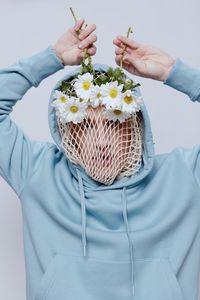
x,y
70,46
142,60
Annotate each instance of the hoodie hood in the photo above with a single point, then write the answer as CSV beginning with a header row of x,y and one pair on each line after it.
x,y
86,182
148,145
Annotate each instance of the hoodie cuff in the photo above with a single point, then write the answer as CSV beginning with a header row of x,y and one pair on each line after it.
x,y
41,65
185,79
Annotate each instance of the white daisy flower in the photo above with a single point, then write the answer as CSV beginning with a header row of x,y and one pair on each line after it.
x,y
111,94
74,111
129,102
83,86
96,96
60,97
116,114
60,101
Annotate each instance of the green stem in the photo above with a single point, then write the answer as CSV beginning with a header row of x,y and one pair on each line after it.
x,y
86,55
124,47
75,19
73,14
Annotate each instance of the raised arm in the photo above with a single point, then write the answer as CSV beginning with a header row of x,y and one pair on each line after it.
x,y
150,62
20,156
143,60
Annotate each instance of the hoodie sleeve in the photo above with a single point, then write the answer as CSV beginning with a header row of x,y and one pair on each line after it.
x,y
187,80
19,156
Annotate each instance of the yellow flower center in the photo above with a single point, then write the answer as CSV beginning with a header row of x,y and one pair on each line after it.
x,y
128,99
113,93
117,112
74,109
86,85
62,99
98,95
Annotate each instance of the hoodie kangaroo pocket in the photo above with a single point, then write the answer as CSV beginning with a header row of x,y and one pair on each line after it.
x,y
155,280
79,278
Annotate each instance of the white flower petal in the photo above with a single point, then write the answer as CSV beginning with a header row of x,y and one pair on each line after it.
x,y
74,111
111,94
96,96
83,86
116,114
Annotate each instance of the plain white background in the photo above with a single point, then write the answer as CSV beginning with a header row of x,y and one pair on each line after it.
x,y
27,27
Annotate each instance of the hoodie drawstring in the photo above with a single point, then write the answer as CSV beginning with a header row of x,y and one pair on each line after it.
x,y
125,218
124,204
83,212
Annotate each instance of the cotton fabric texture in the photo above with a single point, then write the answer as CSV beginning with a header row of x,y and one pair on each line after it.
x,y
138,238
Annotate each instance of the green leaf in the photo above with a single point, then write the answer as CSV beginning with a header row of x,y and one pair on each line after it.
x,y
118,73
130,85
103,78
65,86
110,72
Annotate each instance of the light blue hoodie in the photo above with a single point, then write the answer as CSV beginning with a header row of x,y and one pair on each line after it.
x,y
138,238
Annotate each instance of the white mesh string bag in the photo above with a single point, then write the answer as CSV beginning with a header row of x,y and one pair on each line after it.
x,y
105,149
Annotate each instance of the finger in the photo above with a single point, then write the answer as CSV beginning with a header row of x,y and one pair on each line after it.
x,y
92,50
78,24
117,42
118,59
127,42
89,29
119,51
88,41
125,60
82,54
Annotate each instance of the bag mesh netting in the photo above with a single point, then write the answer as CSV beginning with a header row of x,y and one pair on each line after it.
x,y
107,150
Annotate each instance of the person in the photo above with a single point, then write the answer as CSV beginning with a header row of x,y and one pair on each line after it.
x,y
140,234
